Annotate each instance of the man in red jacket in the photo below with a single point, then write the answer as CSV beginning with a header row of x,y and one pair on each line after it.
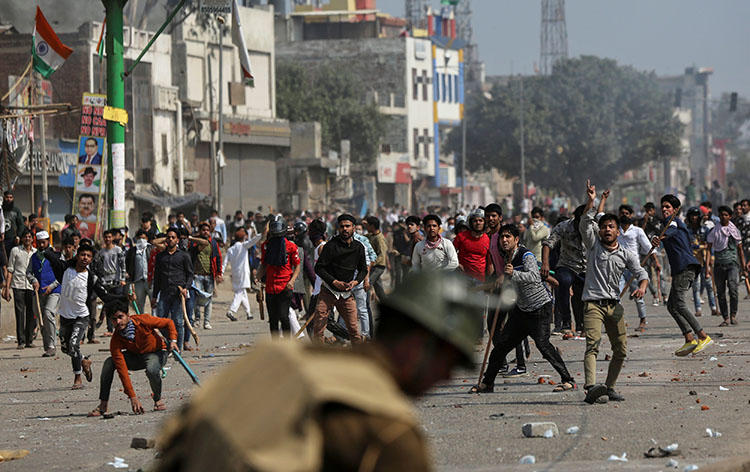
x,y
135,345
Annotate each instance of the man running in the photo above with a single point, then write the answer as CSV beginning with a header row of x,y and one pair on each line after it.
x,y
606,262
79,286
684,268
530,317
135,345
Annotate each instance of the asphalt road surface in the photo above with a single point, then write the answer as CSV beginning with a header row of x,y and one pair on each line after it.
x,y
40,413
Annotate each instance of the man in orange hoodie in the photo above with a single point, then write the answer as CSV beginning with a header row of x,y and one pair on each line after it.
x,y
135,345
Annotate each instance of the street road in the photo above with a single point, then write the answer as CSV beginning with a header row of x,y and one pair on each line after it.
x,y
465,432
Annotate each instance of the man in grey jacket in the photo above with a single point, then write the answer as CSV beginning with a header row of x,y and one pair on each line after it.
x,y
607,260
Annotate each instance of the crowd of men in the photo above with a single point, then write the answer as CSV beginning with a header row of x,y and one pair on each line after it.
x,y
566,277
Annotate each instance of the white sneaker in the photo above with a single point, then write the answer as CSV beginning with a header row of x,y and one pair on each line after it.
x,y
207,325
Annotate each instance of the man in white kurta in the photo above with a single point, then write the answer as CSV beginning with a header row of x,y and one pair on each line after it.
x,y
237,257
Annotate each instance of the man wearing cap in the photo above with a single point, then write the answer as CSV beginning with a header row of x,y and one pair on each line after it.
x,y
357,418
41,276
341,267
88,181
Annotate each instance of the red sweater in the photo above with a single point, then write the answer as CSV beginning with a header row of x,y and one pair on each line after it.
x,y
472,253
146,340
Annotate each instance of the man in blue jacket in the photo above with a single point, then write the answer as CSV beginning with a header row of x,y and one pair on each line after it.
x,y
42,278
685,267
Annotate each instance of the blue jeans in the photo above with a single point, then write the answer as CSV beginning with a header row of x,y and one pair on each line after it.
x,y
171,307
567,278
205,284
705,282
640,305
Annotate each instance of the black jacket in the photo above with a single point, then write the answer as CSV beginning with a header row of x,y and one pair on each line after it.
x,y
172,271
339,260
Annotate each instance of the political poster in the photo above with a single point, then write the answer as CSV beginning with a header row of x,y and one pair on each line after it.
x,y
91,171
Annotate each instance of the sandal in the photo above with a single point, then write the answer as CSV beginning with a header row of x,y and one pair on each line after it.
x,y
564,387
482,388
160,406
723,323
77,386
96,412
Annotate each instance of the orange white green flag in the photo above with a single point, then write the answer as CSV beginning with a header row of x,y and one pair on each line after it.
x,y
48,51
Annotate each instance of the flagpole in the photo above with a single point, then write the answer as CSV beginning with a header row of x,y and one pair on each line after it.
x,y
43,138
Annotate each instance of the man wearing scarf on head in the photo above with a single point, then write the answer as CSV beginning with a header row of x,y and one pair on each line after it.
x,y
280,265
341,266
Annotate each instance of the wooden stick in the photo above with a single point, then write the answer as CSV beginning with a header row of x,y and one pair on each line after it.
x,y
489,343
312,317
645,258
39,308
658,286
187,320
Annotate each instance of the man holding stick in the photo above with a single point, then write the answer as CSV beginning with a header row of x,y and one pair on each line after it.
x,y
530,317
135,345
685,267
173,274
47,292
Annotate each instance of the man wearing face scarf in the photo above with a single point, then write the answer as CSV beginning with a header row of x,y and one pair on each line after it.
x,y
280,265
13,224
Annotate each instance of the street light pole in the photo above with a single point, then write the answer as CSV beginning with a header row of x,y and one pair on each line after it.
x,y
221,110
523,156
463,160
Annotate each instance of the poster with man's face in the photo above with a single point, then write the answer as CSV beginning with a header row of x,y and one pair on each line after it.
x,y
90,150
86,210
88,179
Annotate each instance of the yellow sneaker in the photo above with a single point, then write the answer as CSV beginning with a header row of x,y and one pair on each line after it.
x,y
687,348
703,344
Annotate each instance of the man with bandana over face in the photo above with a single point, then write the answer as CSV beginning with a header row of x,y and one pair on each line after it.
x,y
13,221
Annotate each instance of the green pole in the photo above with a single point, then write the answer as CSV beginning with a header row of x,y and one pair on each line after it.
x,y
116,99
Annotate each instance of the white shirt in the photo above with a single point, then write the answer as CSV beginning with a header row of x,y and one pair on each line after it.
x,y
237,256
634,239
18,262
443,257
73,294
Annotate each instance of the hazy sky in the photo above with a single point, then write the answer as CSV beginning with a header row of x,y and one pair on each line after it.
x,y
660,35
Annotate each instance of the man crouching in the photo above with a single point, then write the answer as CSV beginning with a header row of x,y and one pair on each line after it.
x,y
135,345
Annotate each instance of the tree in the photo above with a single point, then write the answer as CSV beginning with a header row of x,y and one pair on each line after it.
x,y
331,97
590,118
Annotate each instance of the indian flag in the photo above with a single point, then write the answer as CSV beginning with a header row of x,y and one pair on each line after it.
x,y
48,51
239,40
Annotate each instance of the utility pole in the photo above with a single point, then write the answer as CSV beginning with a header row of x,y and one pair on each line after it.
x,y
115,99
43,148
463,159
212,147
523,156
220,19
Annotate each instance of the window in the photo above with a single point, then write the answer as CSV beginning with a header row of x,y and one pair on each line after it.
x,y
455,84
164,150
450,88
414,85
426,141
416,143
442,96
424,85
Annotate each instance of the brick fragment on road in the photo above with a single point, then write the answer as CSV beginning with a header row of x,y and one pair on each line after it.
x,y
538,430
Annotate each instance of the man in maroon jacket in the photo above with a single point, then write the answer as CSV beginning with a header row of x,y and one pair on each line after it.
x,y
135,345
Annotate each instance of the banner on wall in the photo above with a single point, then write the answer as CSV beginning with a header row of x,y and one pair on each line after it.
x,y
90,175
